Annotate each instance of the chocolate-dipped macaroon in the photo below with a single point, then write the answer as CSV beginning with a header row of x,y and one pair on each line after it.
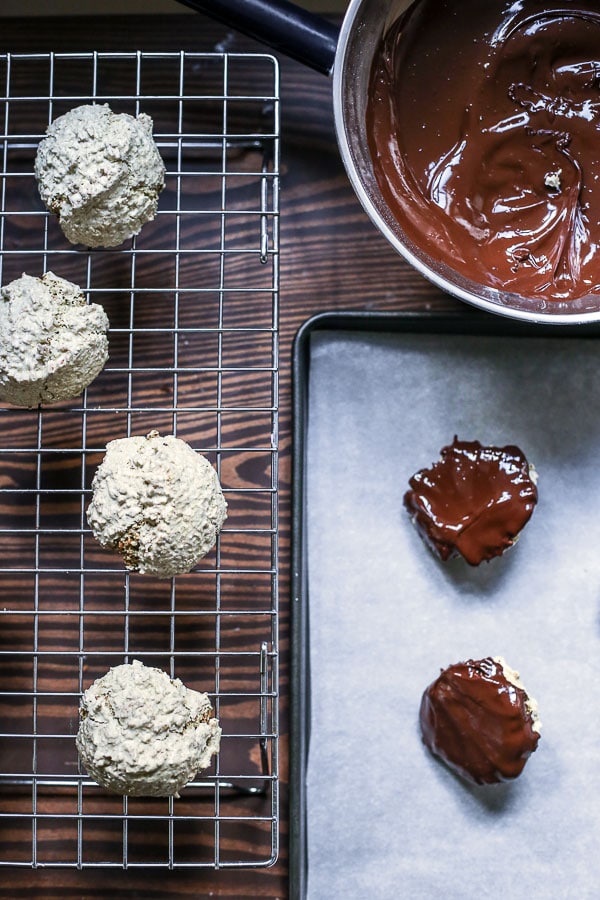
x,y
474,501
478,718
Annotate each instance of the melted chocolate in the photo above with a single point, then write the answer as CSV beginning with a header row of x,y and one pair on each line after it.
x,y
483,122
478,722
473,501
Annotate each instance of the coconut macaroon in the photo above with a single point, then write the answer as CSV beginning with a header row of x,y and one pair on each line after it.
x,y
52,342
101,173
478,718
144,734
158,503
474,501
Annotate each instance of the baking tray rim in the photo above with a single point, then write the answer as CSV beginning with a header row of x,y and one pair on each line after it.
x,y
409,322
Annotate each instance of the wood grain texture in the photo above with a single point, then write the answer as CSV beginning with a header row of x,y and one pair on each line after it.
x,y
332,258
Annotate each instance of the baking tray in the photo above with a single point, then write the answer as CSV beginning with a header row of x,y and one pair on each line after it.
x,y
559,363
193,304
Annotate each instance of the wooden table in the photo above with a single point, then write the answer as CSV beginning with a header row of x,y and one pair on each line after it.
x,y
332,258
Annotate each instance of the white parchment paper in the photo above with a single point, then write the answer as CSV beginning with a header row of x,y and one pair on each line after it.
x,y
386,819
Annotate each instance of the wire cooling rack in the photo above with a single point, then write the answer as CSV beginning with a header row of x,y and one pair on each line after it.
x,y
193,307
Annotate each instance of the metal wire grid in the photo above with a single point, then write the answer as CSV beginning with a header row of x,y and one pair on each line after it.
x,y
193,306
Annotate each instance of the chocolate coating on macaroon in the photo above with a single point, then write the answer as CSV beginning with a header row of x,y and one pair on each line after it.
x,y
474,501
478,718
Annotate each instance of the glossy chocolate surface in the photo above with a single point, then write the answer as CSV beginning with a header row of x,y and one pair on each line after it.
x,y
484,124
477,721
473,502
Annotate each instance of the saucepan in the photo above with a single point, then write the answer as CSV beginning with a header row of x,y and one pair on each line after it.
x,y
346,54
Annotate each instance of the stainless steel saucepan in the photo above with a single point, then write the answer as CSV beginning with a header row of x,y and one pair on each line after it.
x,y
347,54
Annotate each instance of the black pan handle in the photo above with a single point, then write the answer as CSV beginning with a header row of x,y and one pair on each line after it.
x,y
281,25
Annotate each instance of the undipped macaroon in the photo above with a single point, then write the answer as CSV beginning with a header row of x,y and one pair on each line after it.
x,y
52,342
143,734
158,503
101,173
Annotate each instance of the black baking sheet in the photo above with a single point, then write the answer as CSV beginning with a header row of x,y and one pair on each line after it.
x,y
536,386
